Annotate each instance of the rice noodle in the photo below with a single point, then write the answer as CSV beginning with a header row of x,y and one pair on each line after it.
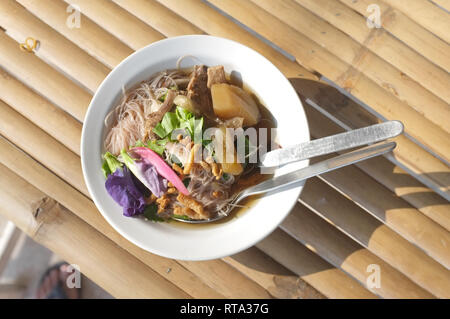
x,y
202,186
127,120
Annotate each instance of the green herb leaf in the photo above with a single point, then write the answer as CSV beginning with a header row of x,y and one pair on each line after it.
x,y
183,114
154,146
160,131
110,164
105,169
170,122
180,119
163,142
151,213
139,144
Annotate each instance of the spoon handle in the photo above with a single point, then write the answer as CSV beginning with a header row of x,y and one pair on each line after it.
x,y
334,143
293,178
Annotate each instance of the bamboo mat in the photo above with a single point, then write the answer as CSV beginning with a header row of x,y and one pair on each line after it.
x,y
389,215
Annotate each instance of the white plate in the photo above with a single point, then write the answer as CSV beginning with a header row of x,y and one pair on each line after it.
x,y
209,242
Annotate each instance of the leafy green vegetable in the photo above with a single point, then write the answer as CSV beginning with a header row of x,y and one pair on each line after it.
x,y
183,114
170,122
105,169
151,213
110,164
156,147
180,119
127,159
139,144
160,131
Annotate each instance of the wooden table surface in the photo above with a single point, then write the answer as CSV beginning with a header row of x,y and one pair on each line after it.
x,y
388,215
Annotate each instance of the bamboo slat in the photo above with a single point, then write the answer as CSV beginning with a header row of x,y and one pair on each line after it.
x,y
377,237
90,37
20,24
42,178
343,252
407,30
43,219
212,22
443,4
41,112
29,69
159,17
422,198
393,211
117,21
413,66
275,278
234,32
225,279
326,278
434,173
426,14
312,55
42,146
391,176
377,54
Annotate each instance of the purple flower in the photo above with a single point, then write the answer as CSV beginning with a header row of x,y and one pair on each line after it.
x,y
122,187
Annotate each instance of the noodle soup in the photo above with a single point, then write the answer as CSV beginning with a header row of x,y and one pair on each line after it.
x,y
178,145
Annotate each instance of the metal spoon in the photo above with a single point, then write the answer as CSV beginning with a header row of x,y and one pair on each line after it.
x,y
289,180
334,143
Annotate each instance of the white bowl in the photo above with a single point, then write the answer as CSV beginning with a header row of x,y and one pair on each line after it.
x,y
207,241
